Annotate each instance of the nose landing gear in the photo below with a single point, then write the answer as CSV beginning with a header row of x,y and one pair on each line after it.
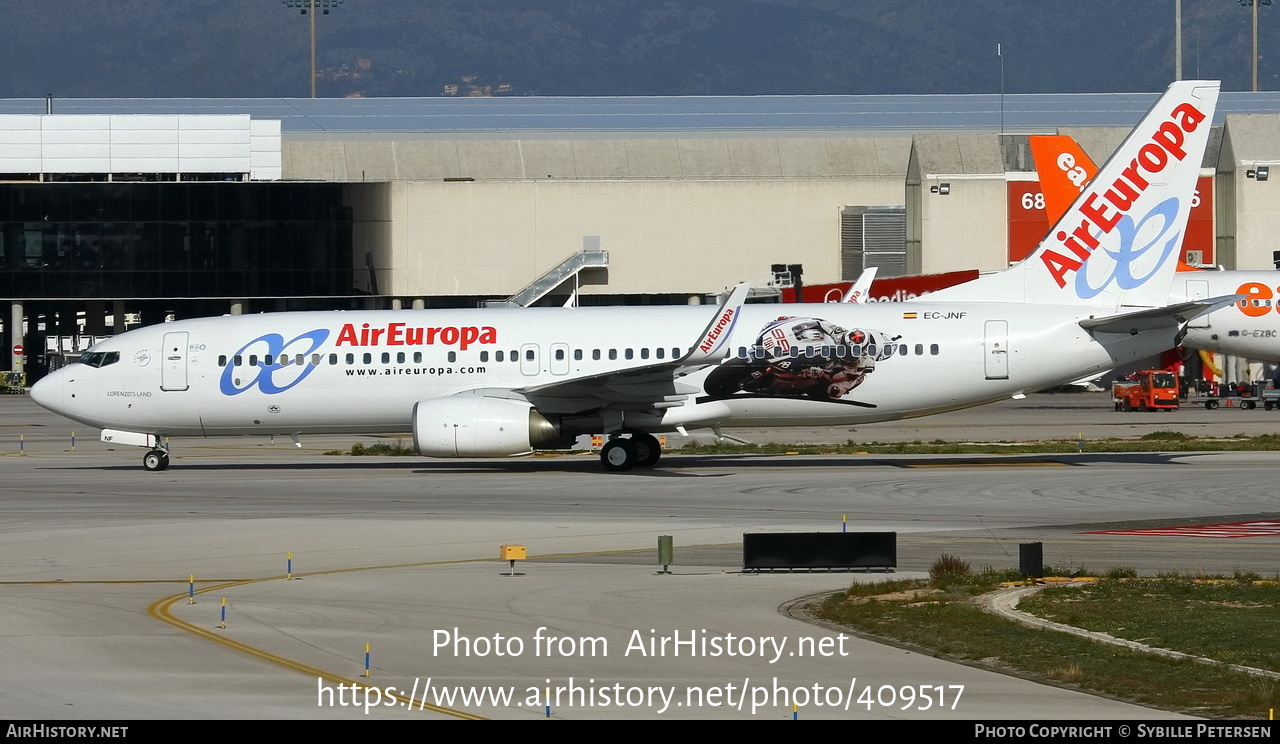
x,y
156,460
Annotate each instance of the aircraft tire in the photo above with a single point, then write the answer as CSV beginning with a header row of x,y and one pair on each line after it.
x,y
155,460
619,455
648,449
1211,404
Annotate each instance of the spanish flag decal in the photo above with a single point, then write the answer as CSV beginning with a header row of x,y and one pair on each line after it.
x,y
909,316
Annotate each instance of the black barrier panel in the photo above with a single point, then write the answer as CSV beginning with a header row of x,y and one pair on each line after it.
x,y
762,551
1031,560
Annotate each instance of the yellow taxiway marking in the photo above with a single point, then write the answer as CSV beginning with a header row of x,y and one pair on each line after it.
x,y
160,611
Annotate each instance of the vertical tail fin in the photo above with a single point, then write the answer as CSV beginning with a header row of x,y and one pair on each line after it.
x,y
1117,245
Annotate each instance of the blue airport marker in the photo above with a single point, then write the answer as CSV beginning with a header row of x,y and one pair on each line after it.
x,y
795,712
1080,443
191,590
844,522
73,441
366,661
288,571
22,444
223,623
547,707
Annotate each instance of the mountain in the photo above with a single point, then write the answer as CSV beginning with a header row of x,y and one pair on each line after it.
x,y
261,48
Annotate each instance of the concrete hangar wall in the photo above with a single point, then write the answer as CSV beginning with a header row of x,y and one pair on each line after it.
x,y
678,214
687,213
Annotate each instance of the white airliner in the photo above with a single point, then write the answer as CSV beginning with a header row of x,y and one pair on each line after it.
x,y
1249,328
500,382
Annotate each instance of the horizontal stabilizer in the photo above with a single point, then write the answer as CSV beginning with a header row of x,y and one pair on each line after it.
x,y
1157,318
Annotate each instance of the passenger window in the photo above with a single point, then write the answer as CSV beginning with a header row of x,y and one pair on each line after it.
x,y
628,354
484,356
528,355
417,356
595,355
919,349
267,360
222,360
660,352
559,355
399,357
301,359
253,360
351,358
239,361
933,349
453,356
613,354
497,356
368,358
315,360
386,357
577,355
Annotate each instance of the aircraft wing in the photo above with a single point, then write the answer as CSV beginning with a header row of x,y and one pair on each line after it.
x,y
1171,316
649,385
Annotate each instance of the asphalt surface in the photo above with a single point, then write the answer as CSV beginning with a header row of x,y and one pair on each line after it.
x,y
400,554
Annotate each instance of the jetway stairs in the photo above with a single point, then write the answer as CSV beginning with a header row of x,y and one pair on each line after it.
x,y
590,257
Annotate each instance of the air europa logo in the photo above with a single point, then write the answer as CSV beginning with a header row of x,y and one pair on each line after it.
x,y
402,334
1100,214
275,377
725,321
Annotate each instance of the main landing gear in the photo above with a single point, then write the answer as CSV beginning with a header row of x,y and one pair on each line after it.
x,y
156,460
641,450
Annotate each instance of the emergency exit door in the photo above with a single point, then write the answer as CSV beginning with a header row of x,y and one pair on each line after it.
x,y
996,347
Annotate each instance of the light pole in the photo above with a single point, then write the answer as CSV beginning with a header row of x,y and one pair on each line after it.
x,y
1255,4
325,5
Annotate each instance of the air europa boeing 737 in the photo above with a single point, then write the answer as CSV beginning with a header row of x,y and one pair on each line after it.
x,y
502,382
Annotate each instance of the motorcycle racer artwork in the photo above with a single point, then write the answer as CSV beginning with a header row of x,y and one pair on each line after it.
x,y
803,357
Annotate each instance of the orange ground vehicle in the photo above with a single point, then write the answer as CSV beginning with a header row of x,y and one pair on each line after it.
x,y
1146,390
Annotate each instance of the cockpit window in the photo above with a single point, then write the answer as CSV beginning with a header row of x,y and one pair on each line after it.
x,y
99,358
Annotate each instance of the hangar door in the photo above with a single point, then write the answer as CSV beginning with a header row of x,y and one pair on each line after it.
x,y
873,236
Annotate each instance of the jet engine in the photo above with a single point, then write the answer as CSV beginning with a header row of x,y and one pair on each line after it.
x,y
481,426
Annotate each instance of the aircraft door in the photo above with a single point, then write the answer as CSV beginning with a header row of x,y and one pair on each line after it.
x,y
559,359
529,364
996,347
173,362
1198,289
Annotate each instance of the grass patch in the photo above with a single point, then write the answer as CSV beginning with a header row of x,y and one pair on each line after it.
x,y
1230,620
386,449
1159,441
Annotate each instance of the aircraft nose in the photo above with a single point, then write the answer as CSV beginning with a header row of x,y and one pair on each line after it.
x,y
47,392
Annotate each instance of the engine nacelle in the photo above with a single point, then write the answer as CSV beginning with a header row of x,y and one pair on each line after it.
x,y
478,426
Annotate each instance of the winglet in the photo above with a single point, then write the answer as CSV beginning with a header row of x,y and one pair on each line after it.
x,y
861,289
713,345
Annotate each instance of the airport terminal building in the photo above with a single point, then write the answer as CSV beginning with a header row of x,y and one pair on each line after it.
x,y
115,212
